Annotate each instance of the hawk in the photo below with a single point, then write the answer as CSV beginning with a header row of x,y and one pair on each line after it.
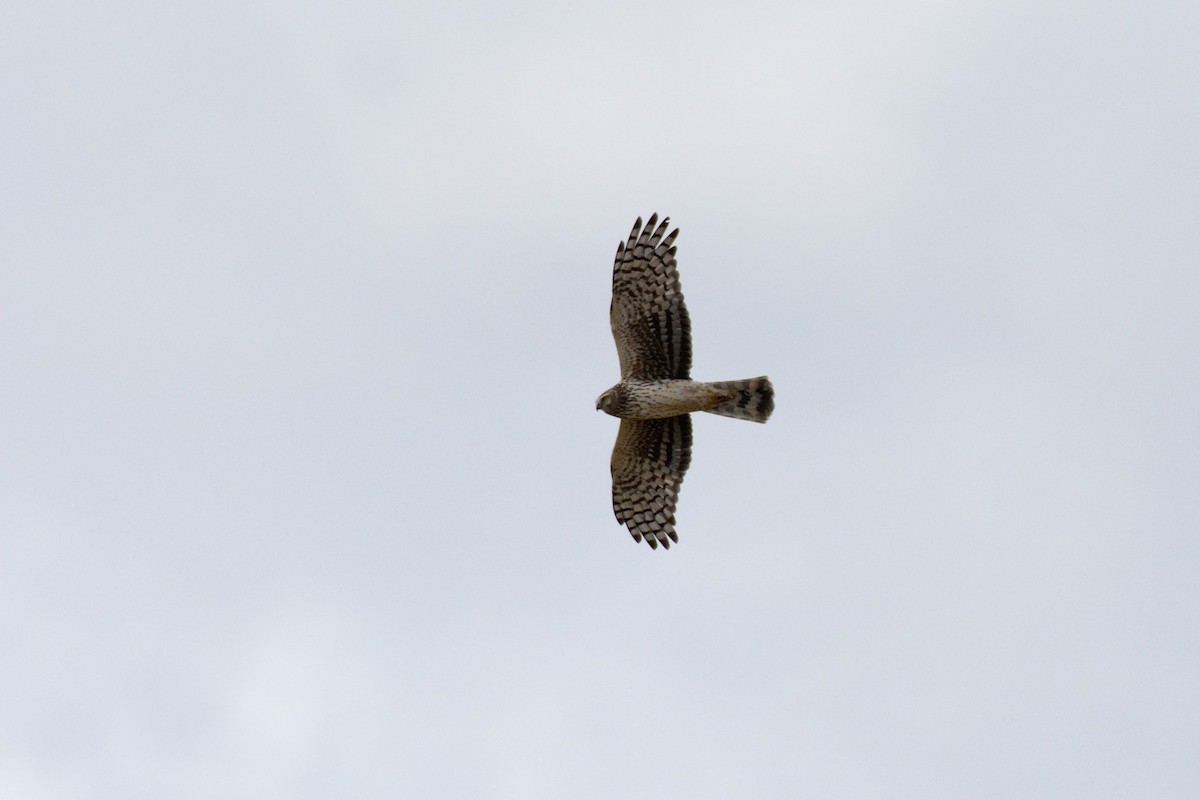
x,y
656,394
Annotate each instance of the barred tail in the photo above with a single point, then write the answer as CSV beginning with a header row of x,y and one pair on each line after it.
x,y
752,399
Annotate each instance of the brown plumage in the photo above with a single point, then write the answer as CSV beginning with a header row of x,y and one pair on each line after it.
x,y
652,329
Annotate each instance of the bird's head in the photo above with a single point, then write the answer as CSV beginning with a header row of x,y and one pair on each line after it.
x,y
608,401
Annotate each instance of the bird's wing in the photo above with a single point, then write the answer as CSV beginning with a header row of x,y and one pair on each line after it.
x,y
648,464
649,320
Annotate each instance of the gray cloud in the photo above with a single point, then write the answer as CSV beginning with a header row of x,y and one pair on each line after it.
x,y
302,492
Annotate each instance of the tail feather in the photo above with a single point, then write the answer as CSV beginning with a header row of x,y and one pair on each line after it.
x,y
752,399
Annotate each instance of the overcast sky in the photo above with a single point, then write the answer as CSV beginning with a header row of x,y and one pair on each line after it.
x,y
304,314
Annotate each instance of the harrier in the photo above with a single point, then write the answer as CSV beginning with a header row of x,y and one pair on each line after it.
x,y
654,344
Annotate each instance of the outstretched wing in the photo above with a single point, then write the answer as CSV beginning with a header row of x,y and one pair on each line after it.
x,y
649,320
648,464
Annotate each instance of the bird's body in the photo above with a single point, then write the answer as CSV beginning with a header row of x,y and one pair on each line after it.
x,y
652,329
752,399
657,399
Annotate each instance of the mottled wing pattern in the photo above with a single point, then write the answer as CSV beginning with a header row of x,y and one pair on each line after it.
x,y
649,320
648,464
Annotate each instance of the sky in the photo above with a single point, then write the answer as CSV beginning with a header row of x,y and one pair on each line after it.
x,y
303,315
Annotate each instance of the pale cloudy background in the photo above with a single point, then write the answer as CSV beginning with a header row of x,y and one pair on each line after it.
x,y
302,491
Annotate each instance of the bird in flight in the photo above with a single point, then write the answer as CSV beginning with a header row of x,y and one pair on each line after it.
x,y
656,394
